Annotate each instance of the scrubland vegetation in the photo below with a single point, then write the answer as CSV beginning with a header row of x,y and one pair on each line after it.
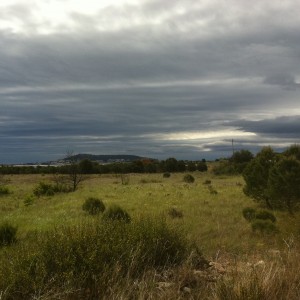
x,y
195,235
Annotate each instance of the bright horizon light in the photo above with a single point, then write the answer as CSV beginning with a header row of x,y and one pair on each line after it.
x,y
183,136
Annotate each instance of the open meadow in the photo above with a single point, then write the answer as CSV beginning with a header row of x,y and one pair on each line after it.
x,y
207,214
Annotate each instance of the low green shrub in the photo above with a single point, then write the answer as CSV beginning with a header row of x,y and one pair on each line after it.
x,y
48,189
265,215
212,190
116,213
175,213
249,213
44,189
207,181
143,180
4,190
264,226
167,175
93,206
188,178
29,200
7,234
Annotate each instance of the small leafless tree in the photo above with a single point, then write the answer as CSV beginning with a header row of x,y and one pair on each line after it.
x,y
74,174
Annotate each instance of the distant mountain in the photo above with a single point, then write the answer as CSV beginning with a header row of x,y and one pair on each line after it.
x,y
105,158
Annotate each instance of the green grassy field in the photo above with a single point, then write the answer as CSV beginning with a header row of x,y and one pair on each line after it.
x,y
211,220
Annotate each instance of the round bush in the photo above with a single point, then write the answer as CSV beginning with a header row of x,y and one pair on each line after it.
x,y
167,175
264,226
188,178
202,167
249,213
7,234
29,200
116,213
175,213
44,189
212,190
4,190
265,215
207,181
93,206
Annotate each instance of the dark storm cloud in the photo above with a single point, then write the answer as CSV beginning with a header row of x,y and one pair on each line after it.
x,y
139,78
281,127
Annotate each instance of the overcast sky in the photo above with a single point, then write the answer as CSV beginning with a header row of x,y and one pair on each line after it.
x,y
156,78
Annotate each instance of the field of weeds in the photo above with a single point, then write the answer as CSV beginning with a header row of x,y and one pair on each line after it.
x,y
184,241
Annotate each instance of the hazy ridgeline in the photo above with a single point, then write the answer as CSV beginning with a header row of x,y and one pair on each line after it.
x,y
184,239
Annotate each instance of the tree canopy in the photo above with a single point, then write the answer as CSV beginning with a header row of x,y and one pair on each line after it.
x,y
274,179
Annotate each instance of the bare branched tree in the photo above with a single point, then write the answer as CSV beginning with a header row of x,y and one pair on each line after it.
x,y
74,174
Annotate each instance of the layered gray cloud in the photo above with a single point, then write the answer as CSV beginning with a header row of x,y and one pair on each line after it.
x,y
155,78
284,127
286,81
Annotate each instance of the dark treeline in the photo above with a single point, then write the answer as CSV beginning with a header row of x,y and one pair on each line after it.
x,y
87,166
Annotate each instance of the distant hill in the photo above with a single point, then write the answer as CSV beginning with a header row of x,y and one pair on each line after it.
x,y
105,158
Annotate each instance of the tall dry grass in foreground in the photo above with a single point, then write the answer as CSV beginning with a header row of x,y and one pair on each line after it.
x,y
91,259
276,278
273,278
140,261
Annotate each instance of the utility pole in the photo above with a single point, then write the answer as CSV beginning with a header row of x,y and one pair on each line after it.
x,y
232,147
